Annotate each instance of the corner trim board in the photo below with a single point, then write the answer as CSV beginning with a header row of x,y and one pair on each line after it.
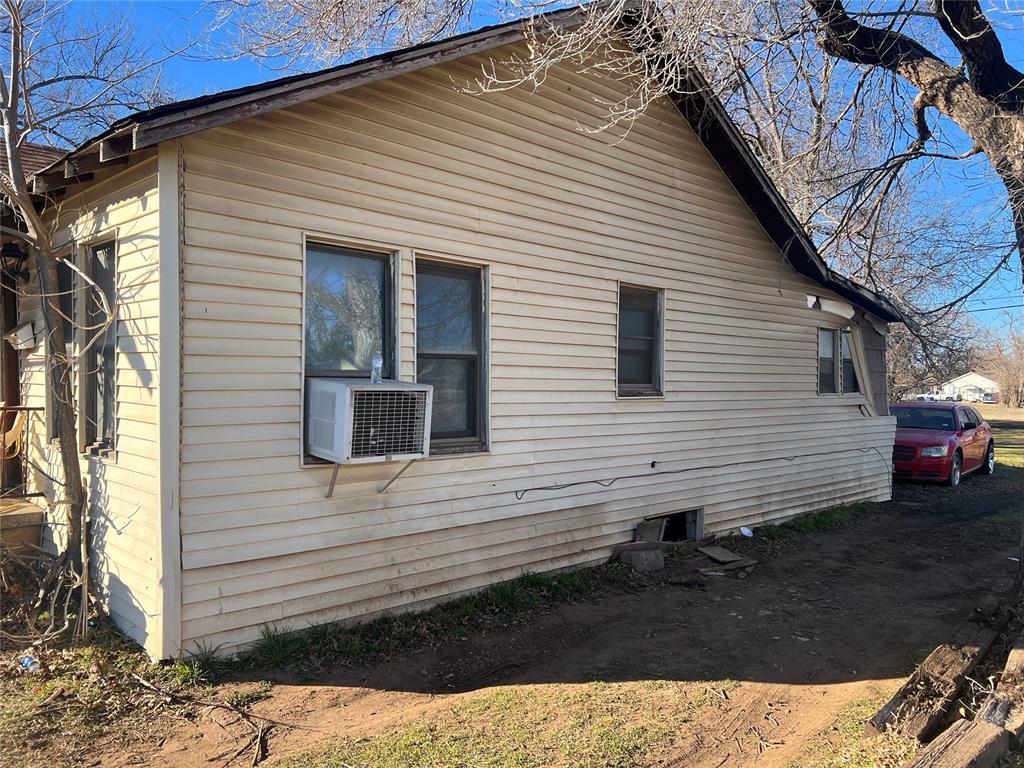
x,y
169,179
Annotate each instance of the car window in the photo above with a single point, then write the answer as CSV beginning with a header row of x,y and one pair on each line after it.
x,y
966,417
910,417
978,418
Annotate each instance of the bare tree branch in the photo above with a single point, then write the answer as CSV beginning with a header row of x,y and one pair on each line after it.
x,y
966,26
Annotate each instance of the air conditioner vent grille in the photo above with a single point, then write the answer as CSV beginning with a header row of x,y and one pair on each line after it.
x,y
387,423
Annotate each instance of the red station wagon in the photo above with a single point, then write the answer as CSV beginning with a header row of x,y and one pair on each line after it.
x,y
941,442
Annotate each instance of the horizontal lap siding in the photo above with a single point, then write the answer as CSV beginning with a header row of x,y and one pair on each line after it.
x,y
558,216
122,489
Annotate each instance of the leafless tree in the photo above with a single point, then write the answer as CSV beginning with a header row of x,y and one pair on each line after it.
x,y
66,73
1003,361
304,32
839,106
915,368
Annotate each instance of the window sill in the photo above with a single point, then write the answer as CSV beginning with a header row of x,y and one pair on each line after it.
x,y
447,451
309,462
110,457
652,395
100,451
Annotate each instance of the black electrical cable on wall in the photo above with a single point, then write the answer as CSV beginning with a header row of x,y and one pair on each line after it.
x,y
608,483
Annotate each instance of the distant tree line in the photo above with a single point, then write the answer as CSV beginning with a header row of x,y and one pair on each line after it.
x,y
912,370
1003,361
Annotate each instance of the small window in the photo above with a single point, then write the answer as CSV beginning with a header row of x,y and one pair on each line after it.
x,y
850,383
828,372
348,312
640,334
64,301
100,364
449,352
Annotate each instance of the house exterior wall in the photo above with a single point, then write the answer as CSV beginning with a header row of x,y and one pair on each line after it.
x,y
557,217
124,518
874,343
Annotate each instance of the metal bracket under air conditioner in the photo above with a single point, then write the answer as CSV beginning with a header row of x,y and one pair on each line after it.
x,y
398,474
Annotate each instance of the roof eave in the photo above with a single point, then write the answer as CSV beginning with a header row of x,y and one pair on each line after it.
x,y
161,125
719,135
150,127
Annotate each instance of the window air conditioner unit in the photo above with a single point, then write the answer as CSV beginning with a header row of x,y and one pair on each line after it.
x,y
352,421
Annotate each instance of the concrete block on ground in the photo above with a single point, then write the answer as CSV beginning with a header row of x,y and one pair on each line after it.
x,y
644,559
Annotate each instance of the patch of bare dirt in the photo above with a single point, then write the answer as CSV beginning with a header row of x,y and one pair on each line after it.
x,y
824,620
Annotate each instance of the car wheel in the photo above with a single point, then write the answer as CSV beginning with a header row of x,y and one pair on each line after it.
x,y
954,471
990,460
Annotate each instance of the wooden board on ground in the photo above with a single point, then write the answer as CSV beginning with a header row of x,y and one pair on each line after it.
x,y
664,546
1005,707
650,530
719,554
1013,672
743,562
921,704
965,744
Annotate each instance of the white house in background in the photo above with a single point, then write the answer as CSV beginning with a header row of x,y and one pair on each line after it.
x,y
613,330
970,386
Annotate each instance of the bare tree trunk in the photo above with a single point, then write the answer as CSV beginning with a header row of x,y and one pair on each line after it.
x,y
64,74
59,375
985,97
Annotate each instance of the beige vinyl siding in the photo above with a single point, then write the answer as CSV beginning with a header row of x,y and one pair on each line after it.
x,y
558,216
122,487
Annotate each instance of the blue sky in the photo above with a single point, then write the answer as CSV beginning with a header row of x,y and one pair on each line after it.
x,y
170,22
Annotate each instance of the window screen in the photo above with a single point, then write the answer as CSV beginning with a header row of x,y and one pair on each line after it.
x,y
850,383
639,369
827,369
348,310
449,350
101,361
65,302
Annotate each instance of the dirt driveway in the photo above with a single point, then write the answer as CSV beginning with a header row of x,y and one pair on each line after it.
x,y
776,669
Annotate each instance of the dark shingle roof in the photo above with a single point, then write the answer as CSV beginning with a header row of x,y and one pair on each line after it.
x,y
34,157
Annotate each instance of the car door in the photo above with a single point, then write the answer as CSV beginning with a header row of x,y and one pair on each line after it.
x,y
984,433
968,439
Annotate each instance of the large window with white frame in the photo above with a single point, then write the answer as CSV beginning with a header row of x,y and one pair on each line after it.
x,y
450,352
100,362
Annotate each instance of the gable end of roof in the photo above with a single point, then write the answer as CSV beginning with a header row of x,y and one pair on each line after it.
x,y
700,108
